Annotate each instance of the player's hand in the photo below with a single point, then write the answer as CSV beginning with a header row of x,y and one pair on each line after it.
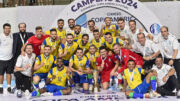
x,y
91,59
171,62
165,78
103,26
54,76
147,58
65,52
52,49
27,66
80,73
80,69
23,53
42,64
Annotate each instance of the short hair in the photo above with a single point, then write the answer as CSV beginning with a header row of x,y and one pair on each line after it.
x,y
59,58
107,18
78,26
108,33
6,24
69,34
116,44
101,48
140,34
79,49
38,28
85,35
92,45
121,19
71,19
96,30
53,30
132,21
159,56
91,21
60,20
47,46
131,61
21,23
28,45
165,28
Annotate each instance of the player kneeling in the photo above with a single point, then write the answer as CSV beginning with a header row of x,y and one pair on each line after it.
x,y
132,78
55,83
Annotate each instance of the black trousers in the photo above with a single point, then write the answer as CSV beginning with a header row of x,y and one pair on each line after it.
x,y
148,64
23,82
166,89
176,66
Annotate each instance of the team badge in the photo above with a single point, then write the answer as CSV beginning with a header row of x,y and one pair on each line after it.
x,y
109,60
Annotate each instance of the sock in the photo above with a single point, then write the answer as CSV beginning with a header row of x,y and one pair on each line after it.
x,y
35,93
9,85
153,83
59,93
1,85
36,85
135,95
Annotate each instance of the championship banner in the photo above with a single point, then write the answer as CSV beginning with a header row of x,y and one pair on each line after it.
x,y
97,10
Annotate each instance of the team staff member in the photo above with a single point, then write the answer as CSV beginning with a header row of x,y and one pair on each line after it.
x,y
110,41
79,65
124,55
108,27
43,64
98,41
6,46
84,43
19,39
36,41
147,48
132,78
61,33
55,83
166,79
170,49
68,49
71,25
51,41
23,70
107,66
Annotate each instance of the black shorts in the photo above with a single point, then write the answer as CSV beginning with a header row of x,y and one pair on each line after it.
x,y
6,66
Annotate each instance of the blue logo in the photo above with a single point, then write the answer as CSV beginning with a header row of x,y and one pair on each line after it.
x,y
155,29
82,20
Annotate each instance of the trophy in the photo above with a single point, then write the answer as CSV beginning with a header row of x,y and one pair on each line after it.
x,y
96,85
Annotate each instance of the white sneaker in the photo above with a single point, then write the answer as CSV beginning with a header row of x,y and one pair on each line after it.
x,y
27,94
19,93
47,94
155,94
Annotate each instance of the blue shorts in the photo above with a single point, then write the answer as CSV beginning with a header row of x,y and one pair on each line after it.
x,y
80,78
41,75
142,88
54,88
66,62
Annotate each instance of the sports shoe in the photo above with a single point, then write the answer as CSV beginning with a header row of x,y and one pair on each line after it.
x,y
178,94
9,90
27,95
1,90
47,94
19,94
155,94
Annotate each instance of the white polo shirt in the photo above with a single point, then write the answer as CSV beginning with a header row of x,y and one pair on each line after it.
x,y
148,49
22,61
168,46
125,32
161,73
6,46
68,30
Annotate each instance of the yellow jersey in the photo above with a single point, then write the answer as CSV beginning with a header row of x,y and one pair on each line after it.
x,y
83,63
70,50
111,29
98,44
85,47
135,75
93,61
49,63
54,45
61,76
61,34
115,40
77,37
